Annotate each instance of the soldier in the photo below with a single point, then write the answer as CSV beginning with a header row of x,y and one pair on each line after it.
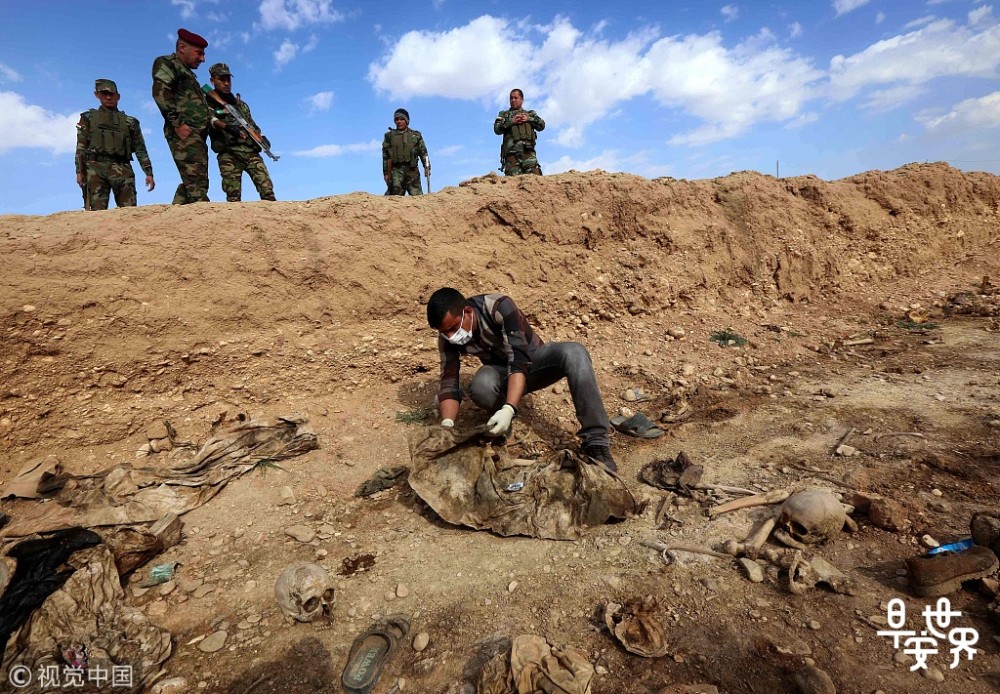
x,y
237,152
517,153
400,150
186,117
106,139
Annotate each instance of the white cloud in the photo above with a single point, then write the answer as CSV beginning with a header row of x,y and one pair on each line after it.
x,y
449,150
338,150
893,97
187,7
940,49
845,6
310,44
580,77
25,125
980,14
919,22
794,30
285,54
292,14
971,114
321,101
730,12
9,74
477,60
880,17
609,160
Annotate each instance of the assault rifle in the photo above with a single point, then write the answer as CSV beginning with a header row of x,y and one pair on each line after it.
x,y
235,113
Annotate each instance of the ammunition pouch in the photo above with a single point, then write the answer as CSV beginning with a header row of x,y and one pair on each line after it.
x,y
401,148
109,136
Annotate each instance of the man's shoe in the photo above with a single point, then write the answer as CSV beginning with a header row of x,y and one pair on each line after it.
x,y
601,454
941,574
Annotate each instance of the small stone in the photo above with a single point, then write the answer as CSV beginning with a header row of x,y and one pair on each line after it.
x,y
202,591
846,451
600,670
934,675
402,591
390,595
676,333
812,680
624,540
420,641
814,625
287,496
612,581
754,571
189,585
512,586
302,533
930,542
156,609
901,658
401,684
168,588
937,492
321,553
244,625
139,592
175,685
28,308
214,642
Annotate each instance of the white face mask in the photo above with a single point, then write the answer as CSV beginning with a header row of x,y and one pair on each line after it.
x,y
461,336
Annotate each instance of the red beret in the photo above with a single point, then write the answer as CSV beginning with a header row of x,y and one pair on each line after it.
x,y
191,39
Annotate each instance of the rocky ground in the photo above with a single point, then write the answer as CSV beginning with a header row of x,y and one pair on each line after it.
x,y
865,312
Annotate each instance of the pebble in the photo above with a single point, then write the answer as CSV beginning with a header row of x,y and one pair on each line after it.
x,y
214,642
753,570
846,451
203,590
402,591
390,595
512,586
321,553
27,308
814,625
401,684
612,581
302,533
937,492
624,540
901,658
168,588
287,496
600,670
676,333
420,641
928,541
934,674
175,685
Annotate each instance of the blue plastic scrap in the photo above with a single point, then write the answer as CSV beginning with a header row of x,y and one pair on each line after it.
x,y
959,546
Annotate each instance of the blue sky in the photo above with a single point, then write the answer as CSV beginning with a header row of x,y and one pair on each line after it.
x,y
656,88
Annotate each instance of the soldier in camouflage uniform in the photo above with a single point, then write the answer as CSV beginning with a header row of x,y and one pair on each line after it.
x,y
237,152
106,139
401,149
517,153
186,117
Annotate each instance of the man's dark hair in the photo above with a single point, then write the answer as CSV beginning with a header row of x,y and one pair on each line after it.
x,y
442,302
519,92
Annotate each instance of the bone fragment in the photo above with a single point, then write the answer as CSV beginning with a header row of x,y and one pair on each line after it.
x,y
775,496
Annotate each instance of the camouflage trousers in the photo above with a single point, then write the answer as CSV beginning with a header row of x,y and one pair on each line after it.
x,y
233,163
523,162
103,177
405,180
191,157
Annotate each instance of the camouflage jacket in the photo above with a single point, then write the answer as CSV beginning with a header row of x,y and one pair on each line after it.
x,y
178,95
136,143
503,125
223,141
412,140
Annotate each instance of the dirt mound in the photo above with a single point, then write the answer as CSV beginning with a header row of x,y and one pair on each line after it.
x,y
115,320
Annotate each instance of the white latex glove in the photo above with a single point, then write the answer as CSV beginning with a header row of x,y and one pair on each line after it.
x,y
500,421
447,423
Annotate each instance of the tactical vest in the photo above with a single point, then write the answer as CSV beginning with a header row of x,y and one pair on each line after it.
x,y
522,132
401,147
109,134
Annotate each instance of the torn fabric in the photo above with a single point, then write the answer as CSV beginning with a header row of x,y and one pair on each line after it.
x,y
125,495
535,665
469,482
88,617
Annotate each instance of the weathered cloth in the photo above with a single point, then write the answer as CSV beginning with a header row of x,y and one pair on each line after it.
x,y
384,478
40,571
89,615
465,480
125,495
535,666
637,626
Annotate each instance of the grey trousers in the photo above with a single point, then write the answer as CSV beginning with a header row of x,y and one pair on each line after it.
x,y
551,363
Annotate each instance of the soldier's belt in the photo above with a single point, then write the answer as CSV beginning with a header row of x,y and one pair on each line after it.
x,y
107,157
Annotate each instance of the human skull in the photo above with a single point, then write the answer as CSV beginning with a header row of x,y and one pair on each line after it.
x,y
304,592
810,518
